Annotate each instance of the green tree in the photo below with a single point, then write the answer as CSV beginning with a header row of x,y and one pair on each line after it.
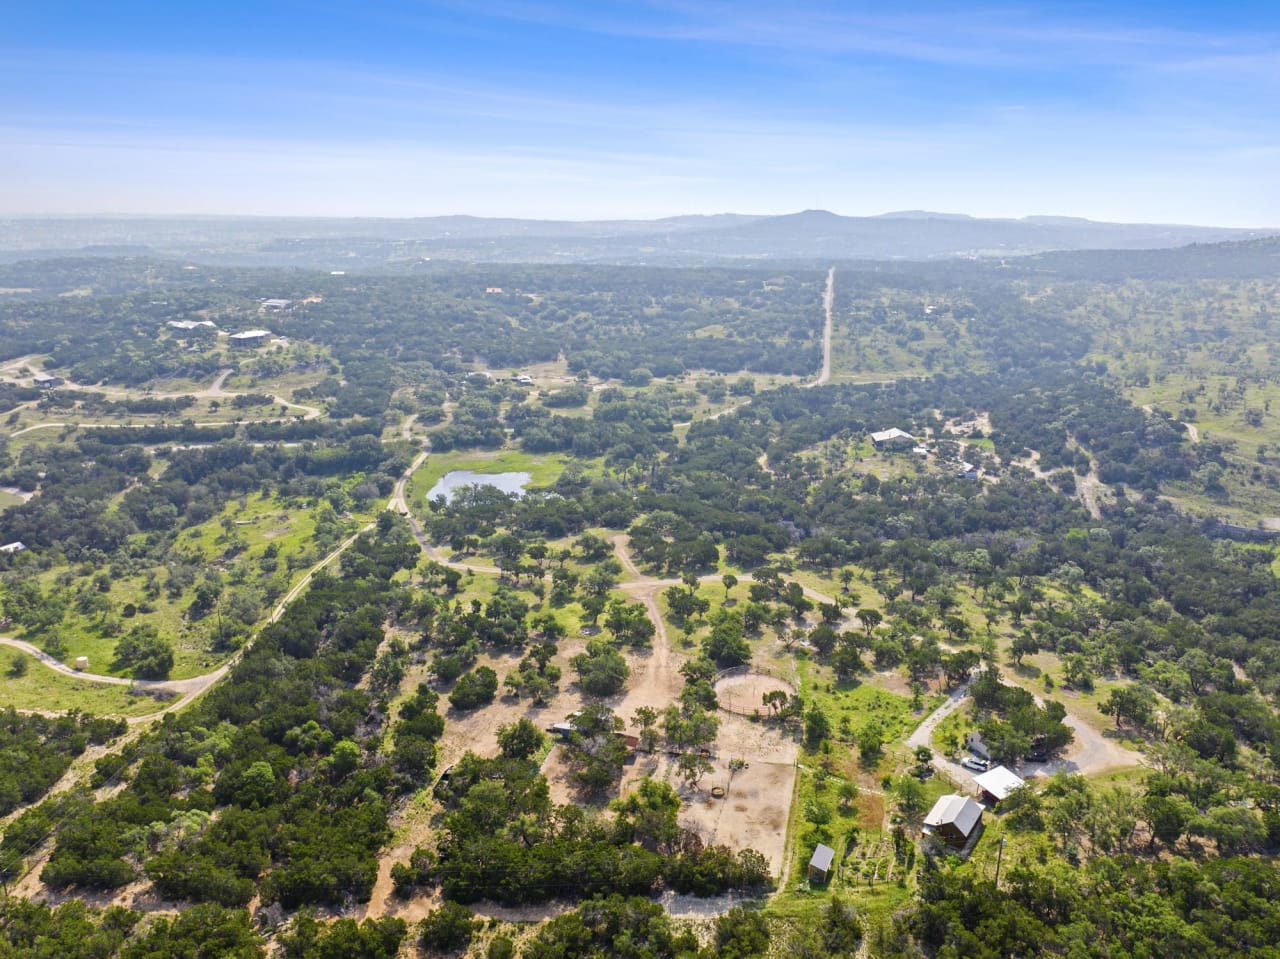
x,y
449,928
740,934
870,741
596,751
144,653
521,739
257,784
817,727
602,670
726,646
474,689
346,758
17,666
910,794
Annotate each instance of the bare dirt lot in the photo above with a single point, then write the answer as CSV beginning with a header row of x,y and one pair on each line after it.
x,y
753,813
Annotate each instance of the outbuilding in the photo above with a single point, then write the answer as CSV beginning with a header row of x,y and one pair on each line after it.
x,y
953,819
996,784
820,863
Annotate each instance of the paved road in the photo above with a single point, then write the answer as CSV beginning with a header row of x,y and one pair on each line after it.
x,y
824,373
828,304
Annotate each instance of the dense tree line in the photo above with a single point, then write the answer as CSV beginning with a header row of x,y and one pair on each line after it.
x,y
36,750
1117,907
503,839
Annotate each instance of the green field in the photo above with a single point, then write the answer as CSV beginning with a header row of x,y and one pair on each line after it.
x,y
40,688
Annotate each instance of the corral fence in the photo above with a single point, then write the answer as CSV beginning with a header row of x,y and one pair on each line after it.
x,y
750,705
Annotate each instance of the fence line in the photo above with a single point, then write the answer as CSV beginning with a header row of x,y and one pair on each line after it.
x,y
755,709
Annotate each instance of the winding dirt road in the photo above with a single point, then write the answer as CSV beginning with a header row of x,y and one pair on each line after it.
x,y
213,391
185,689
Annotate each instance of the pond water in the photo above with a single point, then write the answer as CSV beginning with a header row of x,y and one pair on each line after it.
x,y
456,479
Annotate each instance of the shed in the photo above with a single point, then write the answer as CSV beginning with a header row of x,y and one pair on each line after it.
x,y
45,381
996,784
631,742
82,662
821,862
275,304
953,819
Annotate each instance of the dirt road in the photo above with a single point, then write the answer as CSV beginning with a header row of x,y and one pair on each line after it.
x,y
1089,753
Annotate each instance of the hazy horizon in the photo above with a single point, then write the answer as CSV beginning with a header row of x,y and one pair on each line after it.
x,y
1115,113
887,214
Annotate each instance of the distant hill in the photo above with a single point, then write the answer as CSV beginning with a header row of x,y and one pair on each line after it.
x,y
379,244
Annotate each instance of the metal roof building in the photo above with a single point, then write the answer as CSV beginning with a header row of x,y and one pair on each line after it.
x,y
953,818
997,783
820,863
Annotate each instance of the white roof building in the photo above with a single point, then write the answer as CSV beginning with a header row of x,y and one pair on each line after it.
x,y
998,783
893,435
17,547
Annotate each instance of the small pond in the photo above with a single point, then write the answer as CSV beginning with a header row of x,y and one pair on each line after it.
x,y
456,479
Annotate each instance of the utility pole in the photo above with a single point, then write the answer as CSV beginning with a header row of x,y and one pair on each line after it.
x,y
999,857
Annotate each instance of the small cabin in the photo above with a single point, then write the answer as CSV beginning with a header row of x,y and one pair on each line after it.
x,y
953,819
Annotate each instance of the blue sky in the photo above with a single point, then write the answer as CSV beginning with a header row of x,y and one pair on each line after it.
x,y
1155,112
